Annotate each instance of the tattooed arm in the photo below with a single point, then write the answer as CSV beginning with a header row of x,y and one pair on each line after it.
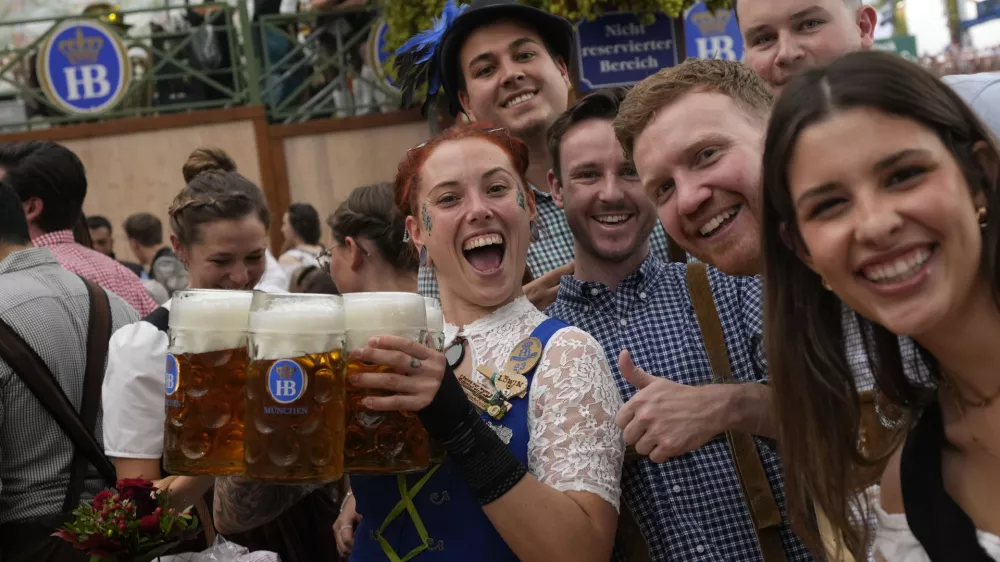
x,y
241,505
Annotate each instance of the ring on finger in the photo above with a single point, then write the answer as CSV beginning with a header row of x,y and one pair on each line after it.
x,y
414,363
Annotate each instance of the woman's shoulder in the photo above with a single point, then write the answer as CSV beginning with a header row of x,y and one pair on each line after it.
x,y
570,348
138,341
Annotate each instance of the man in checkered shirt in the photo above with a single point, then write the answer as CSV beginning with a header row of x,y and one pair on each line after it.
x,y
52,184
49,308
506,64
686,495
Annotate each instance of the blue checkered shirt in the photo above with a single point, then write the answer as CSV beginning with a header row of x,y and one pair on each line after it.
x,y
690,507
554,247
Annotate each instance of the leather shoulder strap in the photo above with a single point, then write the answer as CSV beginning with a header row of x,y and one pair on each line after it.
x,y
36,376
98,336
756,489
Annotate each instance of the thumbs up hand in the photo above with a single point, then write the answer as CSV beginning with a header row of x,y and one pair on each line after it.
x,y
666,419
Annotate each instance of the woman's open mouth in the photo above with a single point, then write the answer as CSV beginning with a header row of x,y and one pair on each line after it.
x,y
485,252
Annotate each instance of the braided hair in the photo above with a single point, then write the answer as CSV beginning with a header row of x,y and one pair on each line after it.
x,y
370,212
213,193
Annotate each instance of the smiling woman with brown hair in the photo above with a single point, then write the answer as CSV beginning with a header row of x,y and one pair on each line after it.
x,y
881,193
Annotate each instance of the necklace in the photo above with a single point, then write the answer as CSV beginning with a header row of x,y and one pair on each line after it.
x,y
981,403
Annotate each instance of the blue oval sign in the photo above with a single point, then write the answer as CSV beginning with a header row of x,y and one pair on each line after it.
x,y
172,379
285,381
379,51
83,67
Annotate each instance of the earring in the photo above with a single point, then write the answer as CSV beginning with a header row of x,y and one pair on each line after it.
x,y
533,230
981,217
423,256
826,285
406,236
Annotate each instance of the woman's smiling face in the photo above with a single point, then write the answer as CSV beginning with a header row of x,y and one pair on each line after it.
x,y
472,214
888,219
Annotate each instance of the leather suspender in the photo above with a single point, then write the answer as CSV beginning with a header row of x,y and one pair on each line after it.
x,y
756,489
35,374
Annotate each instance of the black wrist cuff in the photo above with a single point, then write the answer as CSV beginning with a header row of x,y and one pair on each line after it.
x,y
449,409
486,464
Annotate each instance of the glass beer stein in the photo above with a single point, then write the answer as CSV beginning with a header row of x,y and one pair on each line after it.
x,y
382,442
206,371
435,339
295,389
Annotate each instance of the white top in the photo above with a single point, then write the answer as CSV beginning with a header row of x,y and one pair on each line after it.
x,y
896,543
133,392
573,444
275,280
297,257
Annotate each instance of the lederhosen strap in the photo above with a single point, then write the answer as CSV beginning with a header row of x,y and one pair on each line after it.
x,y
756,489
79,427
943,529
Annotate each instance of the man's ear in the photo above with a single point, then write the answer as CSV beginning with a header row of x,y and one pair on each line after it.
x,y
555,188
867,19
33,209
463,98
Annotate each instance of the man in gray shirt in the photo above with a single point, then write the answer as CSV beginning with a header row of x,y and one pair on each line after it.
x,y
49,307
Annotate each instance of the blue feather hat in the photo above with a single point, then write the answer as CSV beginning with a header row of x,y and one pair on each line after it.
x,y
417,59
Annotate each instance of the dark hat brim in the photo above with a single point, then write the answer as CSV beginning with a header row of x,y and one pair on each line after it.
x,y
556,31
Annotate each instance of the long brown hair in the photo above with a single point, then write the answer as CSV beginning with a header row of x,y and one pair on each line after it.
x,y
817,400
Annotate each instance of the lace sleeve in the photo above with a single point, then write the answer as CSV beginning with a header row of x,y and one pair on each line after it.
x,y
574,443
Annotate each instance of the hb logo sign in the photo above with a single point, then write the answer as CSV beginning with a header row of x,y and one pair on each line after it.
x,y
172,379
285,381
83,67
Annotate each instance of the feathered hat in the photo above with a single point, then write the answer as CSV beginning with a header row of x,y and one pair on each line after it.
x,y
432,57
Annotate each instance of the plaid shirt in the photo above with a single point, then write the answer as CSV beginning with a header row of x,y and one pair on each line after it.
x,y
690,507
554,247
96,267
50,308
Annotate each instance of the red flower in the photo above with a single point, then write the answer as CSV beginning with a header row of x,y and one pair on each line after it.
x,y
140,491
100,498
149,524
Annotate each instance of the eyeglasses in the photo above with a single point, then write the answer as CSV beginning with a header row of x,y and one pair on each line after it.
x,y
326,256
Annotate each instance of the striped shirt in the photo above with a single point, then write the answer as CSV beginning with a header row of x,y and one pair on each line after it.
x,y
98,268
50,309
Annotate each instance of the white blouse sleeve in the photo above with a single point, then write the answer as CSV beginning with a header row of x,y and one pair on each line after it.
x,y
134,411
574,444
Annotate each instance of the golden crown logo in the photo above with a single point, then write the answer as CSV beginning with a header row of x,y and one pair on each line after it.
x,y
81,49
712,24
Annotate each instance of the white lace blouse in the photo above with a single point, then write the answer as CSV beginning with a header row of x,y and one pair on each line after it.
x,y
895,541
573,444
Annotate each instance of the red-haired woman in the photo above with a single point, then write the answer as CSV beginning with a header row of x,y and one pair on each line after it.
x,y
542,482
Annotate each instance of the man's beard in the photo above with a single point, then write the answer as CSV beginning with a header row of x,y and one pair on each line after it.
x,y
586,240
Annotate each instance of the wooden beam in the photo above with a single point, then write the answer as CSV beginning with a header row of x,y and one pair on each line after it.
x,y
274,183
333,125
129,125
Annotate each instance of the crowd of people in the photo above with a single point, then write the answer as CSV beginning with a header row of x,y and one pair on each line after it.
x,y
765,295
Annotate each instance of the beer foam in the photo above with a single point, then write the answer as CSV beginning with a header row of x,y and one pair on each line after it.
x,y
207,320
435,318
385,311
295,326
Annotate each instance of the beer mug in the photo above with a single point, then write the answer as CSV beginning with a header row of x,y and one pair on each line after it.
x,y
295,389
435,339
206,371
382,442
